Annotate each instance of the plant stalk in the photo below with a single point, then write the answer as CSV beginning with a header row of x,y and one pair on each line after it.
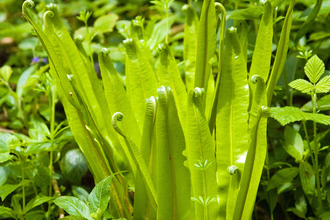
x,y
316,167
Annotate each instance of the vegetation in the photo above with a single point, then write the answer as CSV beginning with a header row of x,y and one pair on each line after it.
x,y
165,110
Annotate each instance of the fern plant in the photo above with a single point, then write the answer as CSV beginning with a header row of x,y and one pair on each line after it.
x,y
162,130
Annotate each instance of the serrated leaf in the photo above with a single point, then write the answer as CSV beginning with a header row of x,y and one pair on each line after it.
x,y
314,69
100,196
73,206
285,175
323,86
302,85
290,114
5,190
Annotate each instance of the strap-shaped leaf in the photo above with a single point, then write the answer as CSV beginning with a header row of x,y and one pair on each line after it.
x,y
314,69
205,44
263,48
173,178
302,85
231,122
136,155
141,82
116,96
169,75
256,154
200,150
289,114
190,45
281,54
144,206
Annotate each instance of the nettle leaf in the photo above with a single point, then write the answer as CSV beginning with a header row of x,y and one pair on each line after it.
x,y
100,196
314,69
290,114
302,85
285,175
323,86
73,206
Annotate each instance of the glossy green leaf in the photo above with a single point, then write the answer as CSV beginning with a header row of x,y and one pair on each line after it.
x,y
169,75
281,53
4,157
200,150
307,177
6,72
74,165
105,23
4,173
7,212
190,45
36,202
80,193
141,82
302,85
314,69
205,44
263,47
173,179
100,196
73,206
256,154
6,189
293,143
231,122
285,175
289,114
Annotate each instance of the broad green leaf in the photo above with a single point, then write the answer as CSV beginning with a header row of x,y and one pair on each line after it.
x,y
173,179
205,44
5,72
36,202
281,53
231,122
73,165
159,32
7,212
245,14
169,75
100,196
309,22
256,154
294,143
4,173
73,206
117,97
38,147
190,45
6,189
290,114
314,69
80,193
141,82
105,23
285,175
323,104
200,149
4,157
307,177
302,85
300,204
3,142
323,86
263,47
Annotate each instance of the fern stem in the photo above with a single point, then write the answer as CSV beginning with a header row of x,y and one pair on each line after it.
x,y
316,167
